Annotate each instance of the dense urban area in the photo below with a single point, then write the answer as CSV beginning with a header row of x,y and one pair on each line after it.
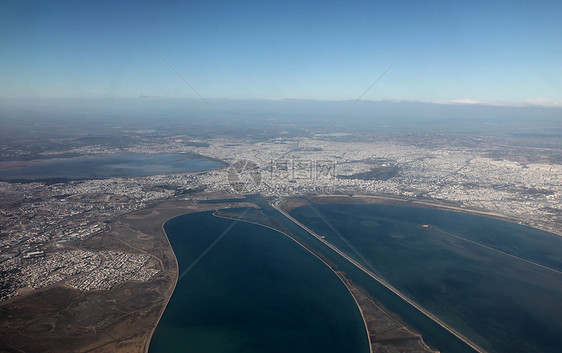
x,y
40,221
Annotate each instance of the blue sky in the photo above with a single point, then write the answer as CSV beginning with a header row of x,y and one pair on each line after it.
x,y
502,52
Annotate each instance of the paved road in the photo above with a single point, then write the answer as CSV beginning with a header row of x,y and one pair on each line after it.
x,y
387,285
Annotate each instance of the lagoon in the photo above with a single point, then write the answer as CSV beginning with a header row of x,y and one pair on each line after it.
x,y
502,303
106,166
255,290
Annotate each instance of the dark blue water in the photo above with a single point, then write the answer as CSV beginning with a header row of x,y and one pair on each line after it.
x,y
254,291
107,166
501,303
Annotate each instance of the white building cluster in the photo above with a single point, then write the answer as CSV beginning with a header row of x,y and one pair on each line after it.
x,y
84,270
34,216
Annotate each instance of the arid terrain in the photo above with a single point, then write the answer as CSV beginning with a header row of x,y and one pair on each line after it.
x,y
62,319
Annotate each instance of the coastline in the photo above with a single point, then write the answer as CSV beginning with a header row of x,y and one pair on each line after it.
x,y
143,230
29,177
327,199
168,210
352,289
408,202
355,291
172,289
318,257
418,307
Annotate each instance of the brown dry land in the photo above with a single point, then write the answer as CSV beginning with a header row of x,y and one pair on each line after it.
x,y
62,319
387,333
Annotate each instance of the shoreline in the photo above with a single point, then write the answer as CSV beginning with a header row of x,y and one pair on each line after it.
x,y
173,289
150,223
387,285
346,282
330,199
178,210
341,277
18,164
409,202
168,213
315,255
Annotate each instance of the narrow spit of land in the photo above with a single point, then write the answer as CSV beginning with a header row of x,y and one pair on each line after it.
x,y
386,333
386,285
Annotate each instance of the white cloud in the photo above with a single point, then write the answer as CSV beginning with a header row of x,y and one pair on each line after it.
x,y
462,101
543,102
534,102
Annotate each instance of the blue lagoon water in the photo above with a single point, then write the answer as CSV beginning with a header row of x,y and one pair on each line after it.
x,y
255,290
107,166
500,302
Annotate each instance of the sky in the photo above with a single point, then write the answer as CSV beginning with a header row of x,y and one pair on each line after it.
x,y
493,52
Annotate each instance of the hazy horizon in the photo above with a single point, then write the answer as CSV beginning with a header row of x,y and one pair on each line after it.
x,y
503,52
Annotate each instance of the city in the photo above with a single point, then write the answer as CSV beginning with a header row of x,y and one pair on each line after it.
x,y
40,222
